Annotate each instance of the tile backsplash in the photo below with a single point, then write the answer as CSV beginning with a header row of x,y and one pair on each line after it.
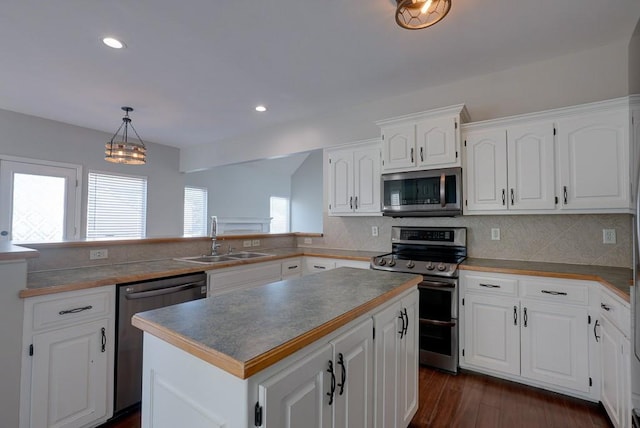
x,y
560,238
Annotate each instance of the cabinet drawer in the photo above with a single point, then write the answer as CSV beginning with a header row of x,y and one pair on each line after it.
x,y
491,284
63,308
318,264
616,312
291,267
565,291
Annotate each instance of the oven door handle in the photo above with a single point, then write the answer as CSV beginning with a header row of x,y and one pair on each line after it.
x,y
443,201
439,323
435,284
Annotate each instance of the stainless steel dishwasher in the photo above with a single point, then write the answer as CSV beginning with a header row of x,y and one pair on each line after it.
x,y
137,297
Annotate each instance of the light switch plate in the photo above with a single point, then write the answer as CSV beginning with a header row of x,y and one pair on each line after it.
x,y
255,243
495,234
374,230
308,241
246,243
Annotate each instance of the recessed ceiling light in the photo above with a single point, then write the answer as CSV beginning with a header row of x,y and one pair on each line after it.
x,y
113,43
261,108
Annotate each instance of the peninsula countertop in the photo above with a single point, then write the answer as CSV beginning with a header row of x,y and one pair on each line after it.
x,y
245,331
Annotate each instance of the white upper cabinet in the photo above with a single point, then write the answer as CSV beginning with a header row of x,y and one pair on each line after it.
x,y
510,168
578,159
424,140
486,185
594,160
354,179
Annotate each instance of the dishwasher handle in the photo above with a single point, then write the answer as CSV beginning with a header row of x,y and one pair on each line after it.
x,y
162,291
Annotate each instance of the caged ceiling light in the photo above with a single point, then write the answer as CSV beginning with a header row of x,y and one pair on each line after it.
x,y
124,150
417,14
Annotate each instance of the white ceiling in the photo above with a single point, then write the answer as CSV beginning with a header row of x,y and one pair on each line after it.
x,y
195,69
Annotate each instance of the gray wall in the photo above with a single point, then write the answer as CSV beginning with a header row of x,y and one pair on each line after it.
x,y
592,75
634,62
306,195
36,138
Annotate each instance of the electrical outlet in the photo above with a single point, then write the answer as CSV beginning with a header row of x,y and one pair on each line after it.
x,y
495,234
255,243
608,236
246,243
308,241
374,230
98,254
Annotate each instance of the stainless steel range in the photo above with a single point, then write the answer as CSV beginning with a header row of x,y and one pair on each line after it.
x,y
435,253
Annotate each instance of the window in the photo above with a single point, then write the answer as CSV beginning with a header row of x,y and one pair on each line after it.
x,y
116,206
39,200
195,211
279,214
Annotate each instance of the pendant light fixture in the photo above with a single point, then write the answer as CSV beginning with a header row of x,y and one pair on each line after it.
x,y
417,14
124,150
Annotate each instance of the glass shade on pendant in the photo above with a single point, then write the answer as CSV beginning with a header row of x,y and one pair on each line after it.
x,y
417,14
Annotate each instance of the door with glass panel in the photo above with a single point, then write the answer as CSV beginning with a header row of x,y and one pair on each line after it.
x,y
38,202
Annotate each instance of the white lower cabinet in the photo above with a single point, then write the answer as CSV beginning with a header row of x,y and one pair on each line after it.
x,y
528,329
396,363
615,351
332,387
67,375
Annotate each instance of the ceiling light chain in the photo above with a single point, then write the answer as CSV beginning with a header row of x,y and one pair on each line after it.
x,y
125,151
417,14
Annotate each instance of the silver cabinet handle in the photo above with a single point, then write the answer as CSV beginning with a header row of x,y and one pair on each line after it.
x,y
504,196
525,318
564,191
351,202
515,315
605,307
489,286
293,267
512,196
411,154
103,348
595,333
421,154
356,202
319,267
554,293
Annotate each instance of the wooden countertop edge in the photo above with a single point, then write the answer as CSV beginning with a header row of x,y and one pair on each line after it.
x,y
261,362
562,275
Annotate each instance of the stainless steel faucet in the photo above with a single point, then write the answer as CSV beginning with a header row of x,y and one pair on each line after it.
x,y
214,235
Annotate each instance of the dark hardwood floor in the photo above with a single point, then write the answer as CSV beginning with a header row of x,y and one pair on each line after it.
x,y
474,400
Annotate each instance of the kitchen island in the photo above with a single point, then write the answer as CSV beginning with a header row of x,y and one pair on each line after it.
x,y
329,349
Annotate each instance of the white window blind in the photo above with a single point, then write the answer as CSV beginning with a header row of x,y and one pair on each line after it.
x,y
279,214
117,206
195,211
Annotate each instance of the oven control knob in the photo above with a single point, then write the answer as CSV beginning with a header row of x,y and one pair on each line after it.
x,y
392,262
410,264
430,266
382,262
442,267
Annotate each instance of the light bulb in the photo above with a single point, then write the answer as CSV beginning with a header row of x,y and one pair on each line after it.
x,y
425,6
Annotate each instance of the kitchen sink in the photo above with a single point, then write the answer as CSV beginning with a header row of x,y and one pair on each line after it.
x,y
207,259
223,258
247,255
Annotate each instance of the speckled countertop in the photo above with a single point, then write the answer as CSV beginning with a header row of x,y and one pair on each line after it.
x,y
618,280
266,324
56,281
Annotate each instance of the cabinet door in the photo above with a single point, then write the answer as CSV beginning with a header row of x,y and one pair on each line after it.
x,y
353,362
367,180
486,170
408,363
555,344
69,376
341,181
387,344
398,147
531,168
594,161
436,143
297,396
492,333
611,371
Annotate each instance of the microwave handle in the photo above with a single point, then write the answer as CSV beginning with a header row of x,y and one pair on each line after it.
x,y
443,201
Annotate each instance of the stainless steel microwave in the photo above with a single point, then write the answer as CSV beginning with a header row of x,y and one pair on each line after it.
x,y
436,192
